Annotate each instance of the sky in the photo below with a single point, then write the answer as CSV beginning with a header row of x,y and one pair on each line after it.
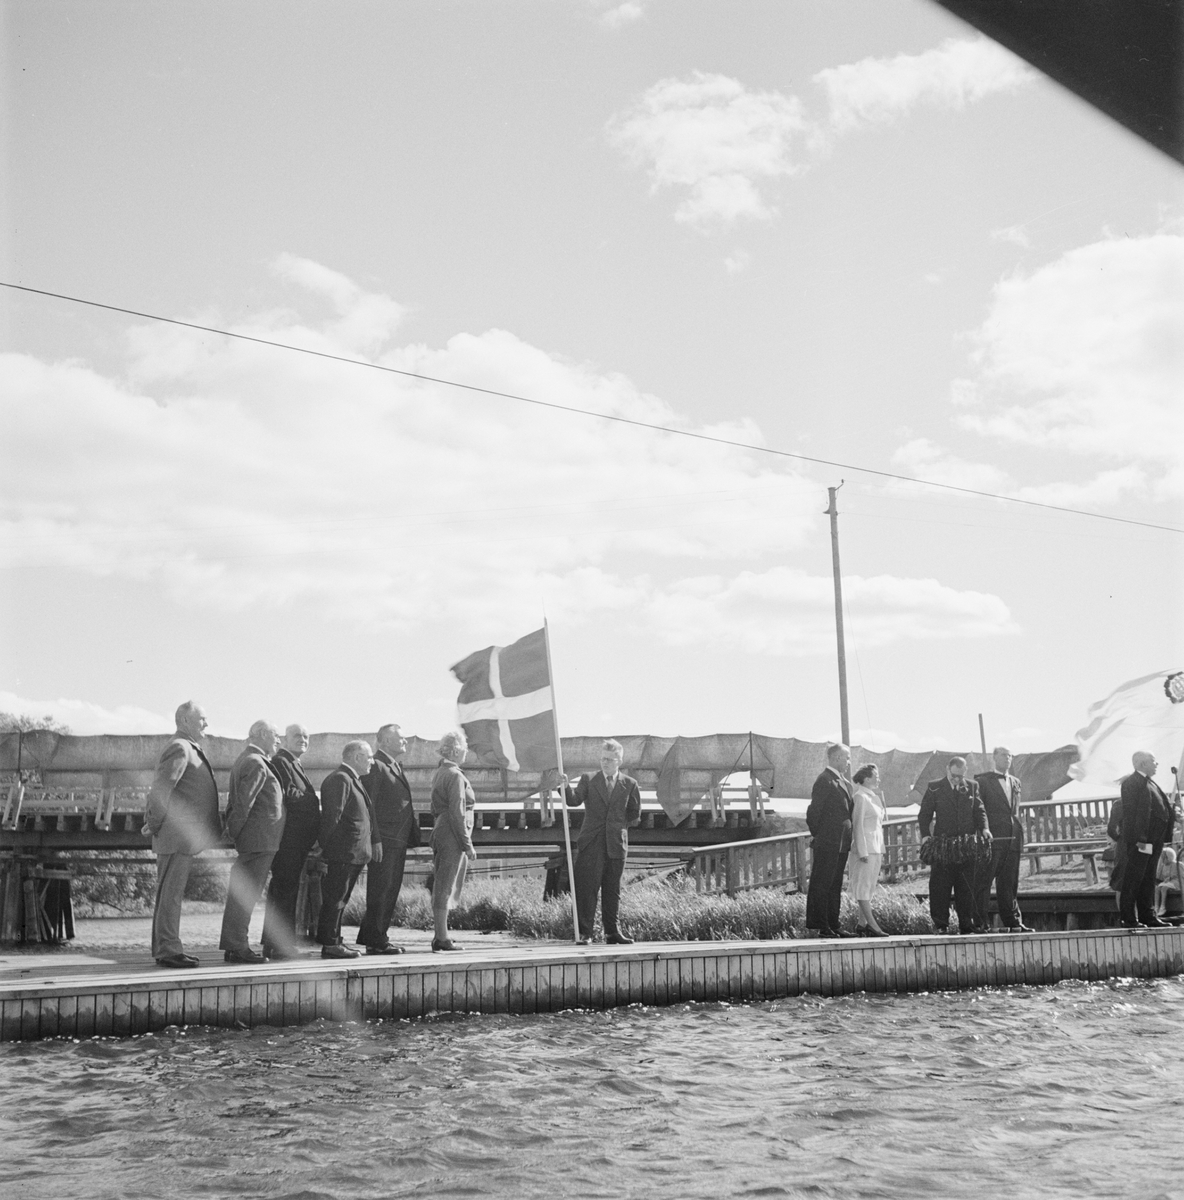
x,y
852,230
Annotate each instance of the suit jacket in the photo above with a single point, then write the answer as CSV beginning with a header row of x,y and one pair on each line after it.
x,y
299,793
1146,814
347,832
607,815
182,808
829,813
255,812
951,811
1003,816
390,797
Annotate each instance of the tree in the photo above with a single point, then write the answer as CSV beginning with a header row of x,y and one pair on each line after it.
x,y
22,722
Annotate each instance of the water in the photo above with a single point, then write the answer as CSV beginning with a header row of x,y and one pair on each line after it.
x,y
1076,1090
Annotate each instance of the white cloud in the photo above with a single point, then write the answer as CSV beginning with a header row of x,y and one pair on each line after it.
x,y
784,611
877,91
83,717
243,478
709,135
1017,235
725,145
622,14
739,260
1085,356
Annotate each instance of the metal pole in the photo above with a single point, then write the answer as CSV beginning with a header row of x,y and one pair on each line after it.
x,y
571,869
833,512
982,737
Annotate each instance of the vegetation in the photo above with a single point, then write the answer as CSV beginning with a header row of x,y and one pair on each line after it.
x,y
12,722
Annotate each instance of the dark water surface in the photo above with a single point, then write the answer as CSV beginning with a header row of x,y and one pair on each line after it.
x,y
1075,1090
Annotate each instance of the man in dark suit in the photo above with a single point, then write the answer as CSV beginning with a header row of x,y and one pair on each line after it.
x,y
612,802
182,819
349,840
302,819
1147,820
1000,792
255,823
829,820
952,808
398,830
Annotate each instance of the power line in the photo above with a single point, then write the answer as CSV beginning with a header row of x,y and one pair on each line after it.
x,y
587,412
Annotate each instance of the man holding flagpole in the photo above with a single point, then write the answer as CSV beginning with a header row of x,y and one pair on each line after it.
x,y
611,802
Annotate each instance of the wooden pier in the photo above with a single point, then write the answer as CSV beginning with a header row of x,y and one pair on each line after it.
x,y
555,977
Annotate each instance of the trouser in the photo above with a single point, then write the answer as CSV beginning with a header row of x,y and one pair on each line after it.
x,y
383,881
824,895
1138,883
172,874
247,877
945,878
1003,870
335,892
597,875
300,835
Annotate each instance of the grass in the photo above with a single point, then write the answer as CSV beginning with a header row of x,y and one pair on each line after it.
x,y
651,910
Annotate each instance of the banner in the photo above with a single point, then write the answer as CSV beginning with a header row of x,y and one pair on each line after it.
x,y
506,706
1145,714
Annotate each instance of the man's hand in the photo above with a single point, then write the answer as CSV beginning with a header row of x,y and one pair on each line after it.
x,y
471,855
376,852
863,858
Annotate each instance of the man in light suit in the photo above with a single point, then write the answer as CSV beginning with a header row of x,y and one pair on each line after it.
x,y
302,820
829,820
398,829
182,819
1000,792
1147,820
255,823
349,840
612,802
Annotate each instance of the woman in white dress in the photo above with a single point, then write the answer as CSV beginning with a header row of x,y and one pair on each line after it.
x,y
867,847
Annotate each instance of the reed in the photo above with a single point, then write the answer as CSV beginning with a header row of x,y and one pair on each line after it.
x,y
652,910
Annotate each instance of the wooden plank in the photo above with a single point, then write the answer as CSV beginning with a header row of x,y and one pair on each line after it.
x,y
289,1002
474,990
273,1002
584,984
781,973
433,980
501,990
47,1020
649,973
85,1019
30,1020
571,986
174,1006
542,988
140,1012
67,1016
103,1004
741,978
530,988
121,1014
400,1002
157,1015
713,967
514,988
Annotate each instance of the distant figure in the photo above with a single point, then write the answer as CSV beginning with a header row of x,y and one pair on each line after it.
x,y
612,802
1167,880
1000,791
302,819
952,820
1114,832
1147,820
867,847
348,840
398,829
182,817
255,823
453,800
829,819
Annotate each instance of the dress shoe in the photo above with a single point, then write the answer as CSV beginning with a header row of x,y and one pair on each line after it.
x,y
389,948
176,961
1132,925
584,941
447,944
339,951
243,956
941,930
1020,928
618,939
1156,923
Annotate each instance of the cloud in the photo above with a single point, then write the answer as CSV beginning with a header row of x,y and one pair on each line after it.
x,y
83,717
739,260
784,611
1085,356
622,15
725,145
1017,235
711,136
878,91
243,478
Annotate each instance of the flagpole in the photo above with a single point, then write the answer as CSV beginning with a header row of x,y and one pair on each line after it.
x,y
571,870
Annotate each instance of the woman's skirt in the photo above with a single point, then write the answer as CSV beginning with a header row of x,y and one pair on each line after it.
x,y
450,865
863,876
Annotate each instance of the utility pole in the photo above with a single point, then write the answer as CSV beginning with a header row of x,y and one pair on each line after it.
x,y
833,512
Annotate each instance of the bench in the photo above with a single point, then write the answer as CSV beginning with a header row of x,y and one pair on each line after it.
x,y
1088,851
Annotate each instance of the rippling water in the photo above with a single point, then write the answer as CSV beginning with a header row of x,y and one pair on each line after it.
x,y
1076,1090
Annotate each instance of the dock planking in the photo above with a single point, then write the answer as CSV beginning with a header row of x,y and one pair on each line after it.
x,y
552,978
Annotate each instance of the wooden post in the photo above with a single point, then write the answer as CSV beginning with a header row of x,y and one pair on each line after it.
x,y
833,512
982,738
571,869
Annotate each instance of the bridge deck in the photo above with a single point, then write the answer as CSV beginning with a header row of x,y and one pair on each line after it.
x,y
99,1000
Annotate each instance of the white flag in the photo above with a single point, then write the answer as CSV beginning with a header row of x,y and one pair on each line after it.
x,y
1145,714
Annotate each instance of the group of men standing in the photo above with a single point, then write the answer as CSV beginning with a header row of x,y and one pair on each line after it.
x,y
276,819
959,811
